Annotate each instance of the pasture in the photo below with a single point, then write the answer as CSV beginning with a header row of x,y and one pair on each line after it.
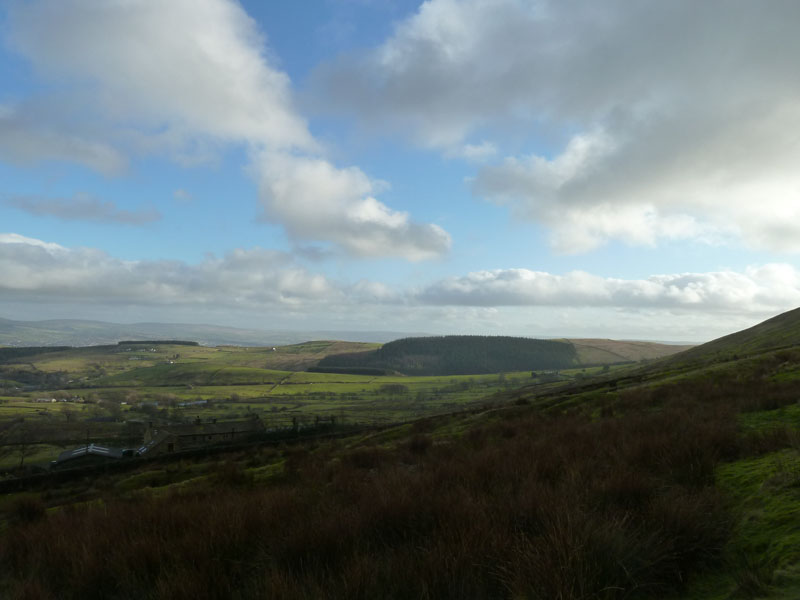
x,y
109,393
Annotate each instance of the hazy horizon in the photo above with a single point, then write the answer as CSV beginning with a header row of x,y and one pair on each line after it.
x,y
361,334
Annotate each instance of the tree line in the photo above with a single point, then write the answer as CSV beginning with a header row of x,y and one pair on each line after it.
x,y
458,355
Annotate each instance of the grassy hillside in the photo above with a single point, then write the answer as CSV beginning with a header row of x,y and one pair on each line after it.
x,y
601,352
136,382
105,363
192,374
778,332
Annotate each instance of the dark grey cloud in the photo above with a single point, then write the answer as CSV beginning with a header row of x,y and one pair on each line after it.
x,y
458,65
82,207
31,133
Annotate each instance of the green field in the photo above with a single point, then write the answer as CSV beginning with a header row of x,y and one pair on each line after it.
x,y
139,383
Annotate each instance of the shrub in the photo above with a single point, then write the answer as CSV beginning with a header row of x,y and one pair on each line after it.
x,y
27,509
232,474
419,444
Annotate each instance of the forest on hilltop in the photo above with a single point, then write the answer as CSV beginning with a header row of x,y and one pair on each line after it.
x,y
459,355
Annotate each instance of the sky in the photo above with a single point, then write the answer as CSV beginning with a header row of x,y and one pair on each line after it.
x,y
572,168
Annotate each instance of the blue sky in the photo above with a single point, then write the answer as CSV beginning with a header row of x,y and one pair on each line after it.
x,y
583,169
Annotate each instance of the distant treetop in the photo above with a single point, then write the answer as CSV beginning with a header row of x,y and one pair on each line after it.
x,y
459,355
157,342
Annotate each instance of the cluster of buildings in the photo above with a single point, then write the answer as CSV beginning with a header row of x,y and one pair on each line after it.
x,y
54,400
166,439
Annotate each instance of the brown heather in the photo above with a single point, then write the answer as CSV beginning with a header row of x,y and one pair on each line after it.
x,y
556,507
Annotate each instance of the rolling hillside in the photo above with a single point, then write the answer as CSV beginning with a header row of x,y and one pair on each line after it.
x,y
599,351
137,363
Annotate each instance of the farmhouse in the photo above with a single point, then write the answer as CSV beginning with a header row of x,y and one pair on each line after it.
x,y
161,439
89,455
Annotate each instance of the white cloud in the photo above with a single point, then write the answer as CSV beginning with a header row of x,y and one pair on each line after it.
x,y
15,238
476,153
679,118
642,190
197,66
317,201
187,78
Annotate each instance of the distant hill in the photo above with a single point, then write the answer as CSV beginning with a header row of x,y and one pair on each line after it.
x,y
135,364
69,332
601,352
459,355
780,331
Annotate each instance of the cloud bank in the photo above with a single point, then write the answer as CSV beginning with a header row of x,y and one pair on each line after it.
x,y
34,270
762,289
38,271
